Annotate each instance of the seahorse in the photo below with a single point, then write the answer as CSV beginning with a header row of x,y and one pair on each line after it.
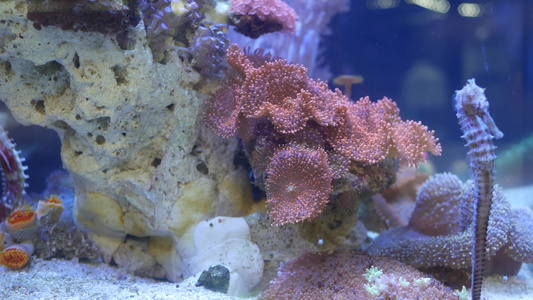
x,y
478,129
14,177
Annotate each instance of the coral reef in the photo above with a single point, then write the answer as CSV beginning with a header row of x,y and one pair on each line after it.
x,y
352,275
478,129
150,176
440,230
254,18
449,215
288,120
14,179
46,232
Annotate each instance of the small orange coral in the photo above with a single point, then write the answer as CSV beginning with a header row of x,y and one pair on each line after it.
x,y
54,199
49,211
298,184
22,217
16,256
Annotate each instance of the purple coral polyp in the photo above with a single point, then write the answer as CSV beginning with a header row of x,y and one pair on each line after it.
x,y
209,49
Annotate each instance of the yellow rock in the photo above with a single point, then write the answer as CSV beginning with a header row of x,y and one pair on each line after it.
x,y
99,214
198,202
163,250
236,196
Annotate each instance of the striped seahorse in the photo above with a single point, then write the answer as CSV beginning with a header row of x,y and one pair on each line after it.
x,y
478,129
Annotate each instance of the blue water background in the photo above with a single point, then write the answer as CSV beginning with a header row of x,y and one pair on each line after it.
x,y
419,57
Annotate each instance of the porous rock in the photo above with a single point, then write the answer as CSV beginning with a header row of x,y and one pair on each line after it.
x,y
142,162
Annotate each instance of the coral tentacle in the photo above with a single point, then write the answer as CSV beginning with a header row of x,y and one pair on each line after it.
x,y
14,177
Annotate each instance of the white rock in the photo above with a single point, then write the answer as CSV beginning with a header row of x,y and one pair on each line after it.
x,y
223,241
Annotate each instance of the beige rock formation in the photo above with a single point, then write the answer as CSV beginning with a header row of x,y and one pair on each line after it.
x,y
133,139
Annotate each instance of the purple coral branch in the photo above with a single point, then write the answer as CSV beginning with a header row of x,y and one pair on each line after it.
x,y
478,130
14,177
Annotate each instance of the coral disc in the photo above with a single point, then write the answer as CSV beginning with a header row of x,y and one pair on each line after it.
x,y
14,258
298,184
22,217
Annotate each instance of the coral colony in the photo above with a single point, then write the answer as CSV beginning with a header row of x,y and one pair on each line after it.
x,y
165,125
305,139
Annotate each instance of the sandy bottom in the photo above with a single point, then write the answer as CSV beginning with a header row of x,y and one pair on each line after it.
x,y
62,279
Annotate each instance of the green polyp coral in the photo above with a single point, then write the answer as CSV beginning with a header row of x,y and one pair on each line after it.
x,y
375,289
403,282
372,273
462,294
422,282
